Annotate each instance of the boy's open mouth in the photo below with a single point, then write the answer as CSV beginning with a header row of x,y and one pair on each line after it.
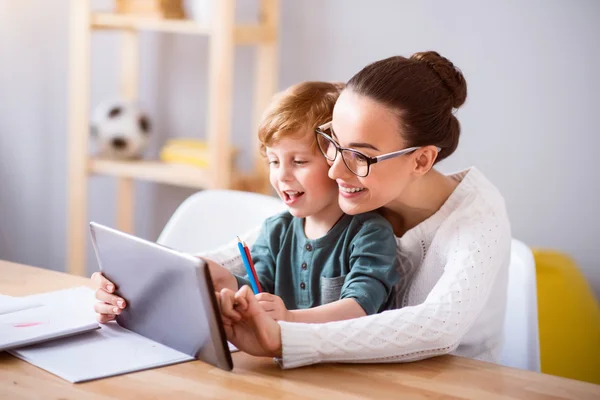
x,y
292,195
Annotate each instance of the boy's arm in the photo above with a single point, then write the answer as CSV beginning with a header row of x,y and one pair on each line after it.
x,y
336,311
373,266
367,287
221,277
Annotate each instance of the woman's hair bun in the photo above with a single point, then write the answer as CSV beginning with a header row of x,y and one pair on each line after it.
x,y
450,75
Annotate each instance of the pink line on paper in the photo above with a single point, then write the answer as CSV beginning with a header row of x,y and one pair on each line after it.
x,y
26,324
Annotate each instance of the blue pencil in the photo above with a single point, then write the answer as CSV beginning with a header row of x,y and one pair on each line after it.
x,y
248,268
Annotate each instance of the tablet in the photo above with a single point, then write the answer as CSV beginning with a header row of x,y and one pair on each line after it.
x,y
170,296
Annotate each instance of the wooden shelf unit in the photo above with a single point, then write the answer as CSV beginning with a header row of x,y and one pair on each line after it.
x,y
243,34
153,171
223,35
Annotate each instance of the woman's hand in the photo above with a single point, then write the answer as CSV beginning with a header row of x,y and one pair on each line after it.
x,y
109,305
274,307
247,324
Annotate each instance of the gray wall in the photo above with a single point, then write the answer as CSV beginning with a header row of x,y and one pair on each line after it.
x,y
530,122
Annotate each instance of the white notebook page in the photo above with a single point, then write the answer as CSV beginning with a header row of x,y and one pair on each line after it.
x,y
108,351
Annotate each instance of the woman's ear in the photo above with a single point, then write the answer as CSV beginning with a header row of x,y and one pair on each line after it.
x,y
424,159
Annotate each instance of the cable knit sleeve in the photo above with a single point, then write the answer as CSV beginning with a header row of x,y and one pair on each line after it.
x,y
435,327
229,254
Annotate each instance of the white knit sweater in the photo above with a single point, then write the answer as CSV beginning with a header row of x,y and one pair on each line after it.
x,y
451,297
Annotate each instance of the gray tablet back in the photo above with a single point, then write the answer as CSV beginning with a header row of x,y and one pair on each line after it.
x,y
170,296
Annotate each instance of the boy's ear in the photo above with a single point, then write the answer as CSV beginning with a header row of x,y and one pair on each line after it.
x,y
424,158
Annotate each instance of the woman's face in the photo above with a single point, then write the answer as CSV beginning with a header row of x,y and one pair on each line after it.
x,y
373,129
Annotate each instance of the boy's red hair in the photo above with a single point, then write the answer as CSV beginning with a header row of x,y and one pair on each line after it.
x,y
298,109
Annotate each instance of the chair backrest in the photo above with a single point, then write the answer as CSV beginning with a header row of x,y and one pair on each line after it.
x,y
521,338
212,218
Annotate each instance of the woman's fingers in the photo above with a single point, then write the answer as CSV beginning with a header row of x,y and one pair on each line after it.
x,y
105,291
104,318
257,333
103,296
105,308
102,283
242,296
109,305
227,303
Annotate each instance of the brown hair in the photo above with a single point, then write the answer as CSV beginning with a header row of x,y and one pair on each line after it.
x,y
298,109
423,90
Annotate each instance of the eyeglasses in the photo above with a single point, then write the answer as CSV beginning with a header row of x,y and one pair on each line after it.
x,y
358,163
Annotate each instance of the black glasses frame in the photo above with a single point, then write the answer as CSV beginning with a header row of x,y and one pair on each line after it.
x,y
370,160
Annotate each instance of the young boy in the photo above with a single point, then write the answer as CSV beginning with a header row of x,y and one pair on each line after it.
x,y
314,263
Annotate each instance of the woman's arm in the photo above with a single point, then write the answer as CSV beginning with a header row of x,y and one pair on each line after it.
x,y
432,328
229,255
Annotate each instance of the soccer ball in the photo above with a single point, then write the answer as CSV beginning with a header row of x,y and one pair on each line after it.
x,y
120,129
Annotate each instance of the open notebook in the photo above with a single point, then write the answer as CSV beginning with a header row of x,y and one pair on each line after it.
x,y
108,351
25,321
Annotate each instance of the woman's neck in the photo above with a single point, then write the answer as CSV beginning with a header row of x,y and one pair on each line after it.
x,y
419,201
317,225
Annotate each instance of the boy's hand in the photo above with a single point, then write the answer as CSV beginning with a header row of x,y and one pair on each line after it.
x,y
274,306
227,304
247,325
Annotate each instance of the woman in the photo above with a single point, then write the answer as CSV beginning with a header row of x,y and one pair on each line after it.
x,y
391,124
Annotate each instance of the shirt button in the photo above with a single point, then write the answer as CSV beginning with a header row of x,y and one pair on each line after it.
x,y
304,266
308,247
302,285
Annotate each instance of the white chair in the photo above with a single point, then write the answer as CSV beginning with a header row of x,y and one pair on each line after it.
x,y
521,337
212,218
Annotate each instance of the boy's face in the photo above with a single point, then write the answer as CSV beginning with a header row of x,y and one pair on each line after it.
x,y
298,173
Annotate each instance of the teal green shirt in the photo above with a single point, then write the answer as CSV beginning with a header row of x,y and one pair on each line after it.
x,y
356,259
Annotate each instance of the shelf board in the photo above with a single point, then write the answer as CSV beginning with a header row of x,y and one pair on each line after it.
x,y
244,34
118,21
153,171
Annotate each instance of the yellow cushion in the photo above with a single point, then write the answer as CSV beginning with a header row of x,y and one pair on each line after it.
x,y
569,319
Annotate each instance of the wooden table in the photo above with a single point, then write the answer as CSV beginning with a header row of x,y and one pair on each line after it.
x,y
447,377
